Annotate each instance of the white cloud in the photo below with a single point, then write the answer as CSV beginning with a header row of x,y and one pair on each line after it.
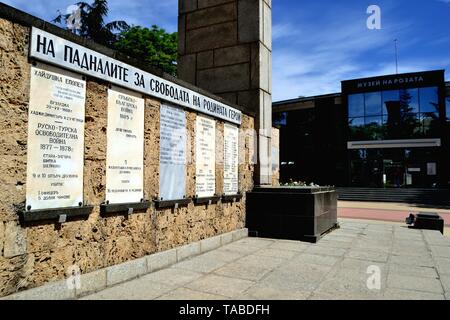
x,y
313,61
146,13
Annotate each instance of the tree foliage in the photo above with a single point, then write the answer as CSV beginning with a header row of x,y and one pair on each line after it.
x,y
93,24
154,46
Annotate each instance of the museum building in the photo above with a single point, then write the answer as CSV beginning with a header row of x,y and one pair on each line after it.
x,y
389,131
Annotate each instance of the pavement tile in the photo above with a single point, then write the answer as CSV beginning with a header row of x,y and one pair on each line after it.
x,y
188,294
441,241
410,251
442,265
440,251
306,280
408,282
239,248
428,272
290,245
220,285
445,280
295,267
347,232
399,294
255,242
225,255
327,251
409,243
334,244
201,264
368,255
315,259
137,289
277,253
408,236
361,267
261,261
346,295
348,286
382,227
422,261
339,238
172,276
350,225
261,292
243,271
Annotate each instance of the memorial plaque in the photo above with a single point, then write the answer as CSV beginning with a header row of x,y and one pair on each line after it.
x,y
205,157
125,147
55,139
172,167
230,168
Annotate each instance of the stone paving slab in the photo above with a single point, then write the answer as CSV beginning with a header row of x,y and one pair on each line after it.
x,y
411,282
243,271
220,285
138,289
369,255
262,292
188,294
398,294
358,261
289,245
172,276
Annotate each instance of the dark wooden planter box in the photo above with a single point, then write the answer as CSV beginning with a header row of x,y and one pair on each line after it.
x,y
294,213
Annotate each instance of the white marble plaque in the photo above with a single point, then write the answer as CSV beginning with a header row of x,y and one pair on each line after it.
x,y
231,158
172,164
205,157
125,147
55,139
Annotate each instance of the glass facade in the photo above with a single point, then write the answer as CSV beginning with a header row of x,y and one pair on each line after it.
x,y
395,168
314,137
447,108
394,114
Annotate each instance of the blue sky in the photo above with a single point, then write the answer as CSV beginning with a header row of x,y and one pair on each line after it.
x,y
316,44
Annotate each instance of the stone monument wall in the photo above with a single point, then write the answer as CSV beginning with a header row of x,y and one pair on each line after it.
x,y
33,253
225,47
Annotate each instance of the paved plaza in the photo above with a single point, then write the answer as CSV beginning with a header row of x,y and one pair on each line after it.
x,y
360,260
387,211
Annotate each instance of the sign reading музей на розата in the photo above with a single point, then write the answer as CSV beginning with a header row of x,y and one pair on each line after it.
x,y
56,129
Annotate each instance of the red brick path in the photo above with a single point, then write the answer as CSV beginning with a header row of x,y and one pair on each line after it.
x,y
383,214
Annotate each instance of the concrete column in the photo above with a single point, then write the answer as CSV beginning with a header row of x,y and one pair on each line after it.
x,y
225,47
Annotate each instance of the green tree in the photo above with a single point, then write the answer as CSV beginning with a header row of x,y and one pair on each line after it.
x,y
154,46
93,24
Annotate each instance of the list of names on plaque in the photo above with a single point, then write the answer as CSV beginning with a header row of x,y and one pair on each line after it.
x,y
125,147
230,175
205,146
172,184
55,139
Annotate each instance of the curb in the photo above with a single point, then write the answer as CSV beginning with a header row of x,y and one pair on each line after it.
x,y
107,277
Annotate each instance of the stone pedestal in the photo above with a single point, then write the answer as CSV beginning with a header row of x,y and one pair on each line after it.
x,y
225,47
294,213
